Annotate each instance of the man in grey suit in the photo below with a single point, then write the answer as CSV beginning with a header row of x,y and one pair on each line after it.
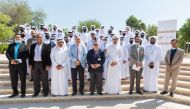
x,y
136,59
173,60
78,54
31,40
28,44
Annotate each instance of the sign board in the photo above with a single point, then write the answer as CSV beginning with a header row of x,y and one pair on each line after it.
x,y
166,32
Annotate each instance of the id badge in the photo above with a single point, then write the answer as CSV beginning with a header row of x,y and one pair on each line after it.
x,y
99,59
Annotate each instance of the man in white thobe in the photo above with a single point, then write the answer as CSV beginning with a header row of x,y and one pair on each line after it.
x,y
89,47
84,35
144,41
90,42
106,61
113,76
101,42
70,39
59,34
54,30
128,35
131,42
60,69
151,66
125,63
102,30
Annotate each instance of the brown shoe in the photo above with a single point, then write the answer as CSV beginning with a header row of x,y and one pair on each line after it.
x,y
164,92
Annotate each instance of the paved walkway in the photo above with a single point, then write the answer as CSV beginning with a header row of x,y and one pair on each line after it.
x,y
101,104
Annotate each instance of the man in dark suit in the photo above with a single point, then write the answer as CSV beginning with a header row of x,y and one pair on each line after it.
x,y
40,62
17,54
95,60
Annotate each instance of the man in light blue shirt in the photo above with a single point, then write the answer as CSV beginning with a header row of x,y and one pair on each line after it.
x,y
78,54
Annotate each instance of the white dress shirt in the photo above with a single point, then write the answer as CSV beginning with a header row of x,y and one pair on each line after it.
x,y
37,53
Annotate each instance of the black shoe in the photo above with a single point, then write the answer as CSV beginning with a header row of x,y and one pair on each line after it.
x,y
49,79
100,93
130,92
35,95
82,93
145,91
154,91
53,95
65,95
172,94
73,94
31,79
13,95
139,92
45,95
164,92
91,93
23,95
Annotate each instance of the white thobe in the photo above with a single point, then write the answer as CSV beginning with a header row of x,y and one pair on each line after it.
x,y
109,40
127,38
129,48
144,42
102,32
28,35
85,37
113,76
59,78
125,66
89,46
152,54
54,32
71,42
101,45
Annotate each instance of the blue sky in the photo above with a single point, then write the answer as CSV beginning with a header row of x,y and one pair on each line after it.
x,y
66,13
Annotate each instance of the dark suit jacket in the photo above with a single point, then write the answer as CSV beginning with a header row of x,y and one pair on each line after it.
x,y
91,59
45,55
22,54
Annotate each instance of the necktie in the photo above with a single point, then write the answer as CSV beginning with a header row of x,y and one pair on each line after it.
x,y
96,54
16,51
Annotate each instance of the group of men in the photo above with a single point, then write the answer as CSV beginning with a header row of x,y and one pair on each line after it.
x,y
50,55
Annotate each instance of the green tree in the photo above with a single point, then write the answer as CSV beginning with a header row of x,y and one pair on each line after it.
x,y
38,17
88,23
151,30
135,23
18,10
184,33
6,31
65,31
